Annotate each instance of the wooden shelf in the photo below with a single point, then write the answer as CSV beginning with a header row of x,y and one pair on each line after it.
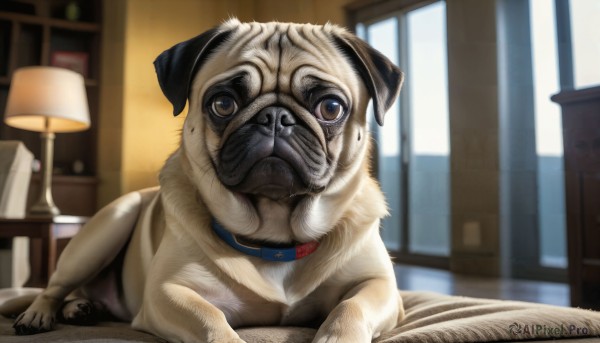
x,y
52,22
581,143
579,95
74,195
5,81
31,32
91,83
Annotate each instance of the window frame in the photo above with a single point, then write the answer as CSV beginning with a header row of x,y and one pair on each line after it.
x,y
367,12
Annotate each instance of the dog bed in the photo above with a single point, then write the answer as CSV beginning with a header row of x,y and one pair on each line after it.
x,y
430,317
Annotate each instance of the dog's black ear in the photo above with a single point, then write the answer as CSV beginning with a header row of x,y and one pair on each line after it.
x,y
382,78
176,67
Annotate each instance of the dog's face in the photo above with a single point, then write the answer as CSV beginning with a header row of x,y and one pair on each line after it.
x,y
277,112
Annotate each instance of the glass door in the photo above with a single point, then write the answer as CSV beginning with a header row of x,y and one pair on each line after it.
x,y
413,149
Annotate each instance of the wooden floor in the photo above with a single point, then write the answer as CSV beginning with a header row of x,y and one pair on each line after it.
x,y
442,281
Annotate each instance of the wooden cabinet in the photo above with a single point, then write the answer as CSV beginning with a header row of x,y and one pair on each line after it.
x,y
38,32
581,134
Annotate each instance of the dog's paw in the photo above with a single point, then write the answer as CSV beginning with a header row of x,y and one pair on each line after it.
x,y
227,336
347,337
233,340
33,322
79,312
345,324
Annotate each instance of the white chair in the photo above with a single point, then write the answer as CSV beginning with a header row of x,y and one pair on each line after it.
x,y
15,175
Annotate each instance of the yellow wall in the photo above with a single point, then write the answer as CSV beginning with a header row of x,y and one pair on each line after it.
x,y
136,129
301,11
110,121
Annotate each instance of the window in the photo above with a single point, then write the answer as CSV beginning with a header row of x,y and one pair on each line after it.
x,y
549,149
383,36
559,53
558,64
543,47
413,146
585,42
429,160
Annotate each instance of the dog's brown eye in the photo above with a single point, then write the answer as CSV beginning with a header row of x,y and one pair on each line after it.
x,y
329,109
224,105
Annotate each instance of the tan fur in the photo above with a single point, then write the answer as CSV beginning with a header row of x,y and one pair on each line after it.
x,y
181,282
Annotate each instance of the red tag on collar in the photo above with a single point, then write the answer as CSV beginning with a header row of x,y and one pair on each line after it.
x,y
306,249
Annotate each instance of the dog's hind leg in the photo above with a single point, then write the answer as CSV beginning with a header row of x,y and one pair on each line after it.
x,y
81,311
88,253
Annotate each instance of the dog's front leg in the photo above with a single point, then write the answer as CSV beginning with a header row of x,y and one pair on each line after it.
x,y
41,314
372,307
179,314
89,252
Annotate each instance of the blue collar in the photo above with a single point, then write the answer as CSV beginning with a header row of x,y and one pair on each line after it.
x,y
266,253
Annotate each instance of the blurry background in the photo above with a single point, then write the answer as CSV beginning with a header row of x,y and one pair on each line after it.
x,y
470,158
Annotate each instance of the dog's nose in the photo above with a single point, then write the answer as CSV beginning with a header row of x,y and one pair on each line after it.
x,y
277,121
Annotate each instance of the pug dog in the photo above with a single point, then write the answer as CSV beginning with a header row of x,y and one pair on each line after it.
x,y
266,213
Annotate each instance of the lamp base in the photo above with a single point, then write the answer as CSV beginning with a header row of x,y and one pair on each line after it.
x,y
45,207
43,210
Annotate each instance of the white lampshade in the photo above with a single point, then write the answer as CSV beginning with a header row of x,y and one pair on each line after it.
x,y
52,96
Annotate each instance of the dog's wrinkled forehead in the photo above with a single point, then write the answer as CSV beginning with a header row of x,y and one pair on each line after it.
x,y
281,56
284,54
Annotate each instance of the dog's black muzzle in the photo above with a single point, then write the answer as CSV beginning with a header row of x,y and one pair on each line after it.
x,y
273,155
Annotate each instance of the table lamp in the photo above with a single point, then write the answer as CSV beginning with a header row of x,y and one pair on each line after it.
x,y
47,100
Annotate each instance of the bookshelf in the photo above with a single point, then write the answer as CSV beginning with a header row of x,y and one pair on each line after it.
x,y
62,33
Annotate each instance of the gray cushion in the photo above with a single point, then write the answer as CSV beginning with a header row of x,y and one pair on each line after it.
x,y
430,318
